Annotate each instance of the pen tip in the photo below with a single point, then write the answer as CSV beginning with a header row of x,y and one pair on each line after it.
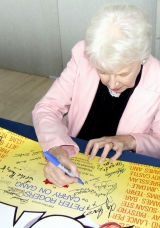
x,y
80,181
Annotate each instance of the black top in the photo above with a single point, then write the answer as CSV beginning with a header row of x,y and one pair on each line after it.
x,y
105,112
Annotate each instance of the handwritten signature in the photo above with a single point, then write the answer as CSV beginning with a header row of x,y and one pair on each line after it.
x,y
87,190
16,194
22,201
5,182
109,205
18,162
106,166
108,186
20,155
3,168
38,158
13,174
36,152
29,170
119,171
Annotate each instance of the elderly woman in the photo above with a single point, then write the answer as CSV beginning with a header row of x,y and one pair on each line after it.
x,y
109,93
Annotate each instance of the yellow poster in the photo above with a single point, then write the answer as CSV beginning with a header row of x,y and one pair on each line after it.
x,y
122,192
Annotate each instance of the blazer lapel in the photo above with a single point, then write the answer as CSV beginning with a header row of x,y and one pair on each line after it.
x,y
87,86
143,98
137,109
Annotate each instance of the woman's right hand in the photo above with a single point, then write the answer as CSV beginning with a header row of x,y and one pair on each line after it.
x,y
55,174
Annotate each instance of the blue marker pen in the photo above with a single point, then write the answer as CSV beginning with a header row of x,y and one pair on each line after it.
x,y
55,161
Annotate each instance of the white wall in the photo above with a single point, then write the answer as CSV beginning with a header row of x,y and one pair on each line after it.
x,y
157,40
36,36
29,36
74,15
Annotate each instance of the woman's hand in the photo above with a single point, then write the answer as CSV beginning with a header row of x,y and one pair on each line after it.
x,y
55,174
117,143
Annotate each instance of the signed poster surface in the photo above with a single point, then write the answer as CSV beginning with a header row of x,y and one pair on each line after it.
x,y
122,192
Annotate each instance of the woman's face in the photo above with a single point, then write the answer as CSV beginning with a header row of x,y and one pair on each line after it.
x,y
122,79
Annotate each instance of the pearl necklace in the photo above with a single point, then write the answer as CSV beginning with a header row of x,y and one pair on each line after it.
x,y
112,93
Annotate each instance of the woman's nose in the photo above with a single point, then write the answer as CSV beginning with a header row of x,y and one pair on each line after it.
x,y
113,83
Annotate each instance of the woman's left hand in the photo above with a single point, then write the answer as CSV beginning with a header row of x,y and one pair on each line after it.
x,y
117,143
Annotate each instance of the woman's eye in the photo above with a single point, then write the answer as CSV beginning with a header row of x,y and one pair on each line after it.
x,y
123,75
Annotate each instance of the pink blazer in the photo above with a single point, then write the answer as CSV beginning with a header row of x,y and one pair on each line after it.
x,y
72,95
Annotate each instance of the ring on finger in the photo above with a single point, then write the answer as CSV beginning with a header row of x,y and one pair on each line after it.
x,y
112,144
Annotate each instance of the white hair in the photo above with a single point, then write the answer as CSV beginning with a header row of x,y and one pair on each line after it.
x,y
117,35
